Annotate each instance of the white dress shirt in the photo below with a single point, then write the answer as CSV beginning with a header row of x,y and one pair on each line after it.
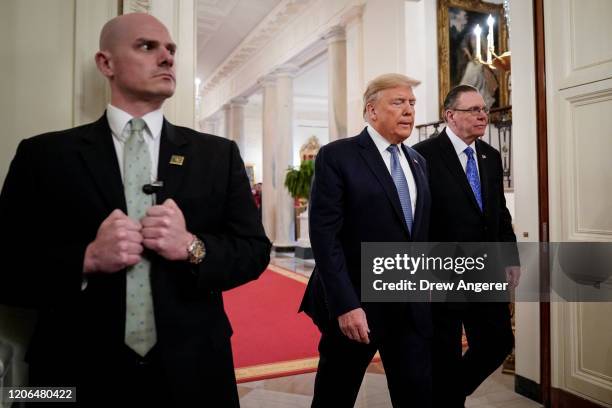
x,y
118,122
460,146
382,144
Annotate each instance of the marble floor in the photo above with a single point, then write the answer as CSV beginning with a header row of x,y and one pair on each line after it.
x,y
296,391
288,261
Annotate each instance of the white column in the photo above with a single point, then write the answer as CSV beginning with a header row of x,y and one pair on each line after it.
x,y
355,83
269,182
235,130
178,18
91,92
209,125
227,121
219,123
285,223
336,53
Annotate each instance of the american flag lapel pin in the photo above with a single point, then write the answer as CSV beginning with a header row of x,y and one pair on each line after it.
x,y
177,160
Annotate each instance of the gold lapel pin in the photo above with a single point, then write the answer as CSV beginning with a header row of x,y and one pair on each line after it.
x,y
177,160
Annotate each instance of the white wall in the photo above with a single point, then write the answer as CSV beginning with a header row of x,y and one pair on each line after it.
x,y
384,45
179,17
422,58
526,220
36,74
253,138
39,94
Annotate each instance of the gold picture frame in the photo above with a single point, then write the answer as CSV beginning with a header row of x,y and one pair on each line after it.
x,y
456,20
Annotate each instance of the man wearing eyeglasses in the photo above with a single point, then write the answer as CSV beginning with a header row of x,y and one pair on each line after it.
x,y
468,205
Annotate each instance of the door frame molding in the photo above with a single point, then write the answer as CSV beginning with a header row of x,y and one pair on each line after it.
x,y
543,197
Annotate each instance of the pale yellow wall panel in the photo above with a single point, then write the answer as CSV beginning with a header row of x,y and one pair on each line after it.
x,y
580,41
44,60
591,33
595,339
36,71
588,351
578,95
592,140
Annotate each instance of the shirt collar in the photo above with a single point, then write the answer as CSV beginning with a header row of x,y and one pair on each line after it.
x,y
118,120
380,142
458,143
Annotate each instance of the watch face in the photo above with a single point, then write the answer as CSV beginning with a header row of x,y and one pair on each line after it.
x,y
197,251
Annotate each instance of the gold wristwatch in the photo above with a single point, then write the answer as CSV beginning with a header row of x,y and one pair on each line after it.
x,y
196,251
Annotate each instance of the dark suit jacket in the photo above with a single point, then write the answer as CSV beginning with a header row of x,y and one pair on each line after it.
x,y
456,216
59,189
353,200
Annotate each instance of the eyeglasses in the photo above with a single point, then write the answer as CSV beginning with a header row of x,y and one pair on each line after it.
x,y
474,111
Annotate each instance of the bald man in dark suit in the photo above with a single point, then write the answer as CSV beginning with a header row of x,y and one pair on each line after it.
x,y
128,285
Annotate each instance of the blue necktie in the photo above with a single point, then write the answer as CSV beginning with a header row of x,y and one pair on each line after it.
x,y
401,185
472,175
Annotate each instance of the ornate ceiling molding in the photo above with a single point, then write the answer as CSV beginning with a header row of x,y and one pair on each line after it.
x,y
211,15
286,70
239,101
335,34
135,6
276,21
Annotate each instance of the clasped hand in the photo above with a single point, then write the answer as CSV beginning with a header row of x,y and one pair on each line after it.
x,y
120,240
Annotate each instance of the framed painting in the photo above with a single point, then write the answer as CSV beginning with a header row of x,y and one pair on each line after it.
x,y
457,49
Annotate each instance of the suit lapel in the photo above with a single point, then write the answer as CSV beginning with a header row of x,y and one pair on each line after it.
x,y
451,160
483,167
372,157
173,161
100,157
420,179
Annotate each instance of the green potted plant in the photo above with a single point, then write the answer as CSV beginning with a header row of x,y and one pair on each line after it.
x,y
298,181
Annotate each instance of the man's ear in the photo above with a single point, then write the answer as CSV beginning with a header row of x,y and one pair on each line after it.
x,y
104,63
448,115
371,111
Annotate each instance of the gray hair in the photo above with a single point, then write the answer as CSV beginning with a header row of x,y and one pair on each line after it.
x,y
450,101
382,82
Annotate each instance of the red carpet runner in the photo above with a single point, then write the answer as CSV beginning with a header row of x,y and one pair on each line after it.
x,y
270,338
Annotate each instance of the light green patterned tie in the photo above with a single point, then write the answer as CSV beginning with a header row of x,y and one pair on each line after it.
x,y
140,332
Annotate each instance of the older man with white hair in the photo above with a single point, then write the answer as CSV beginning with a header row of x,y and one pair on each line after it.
x,y
369,188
